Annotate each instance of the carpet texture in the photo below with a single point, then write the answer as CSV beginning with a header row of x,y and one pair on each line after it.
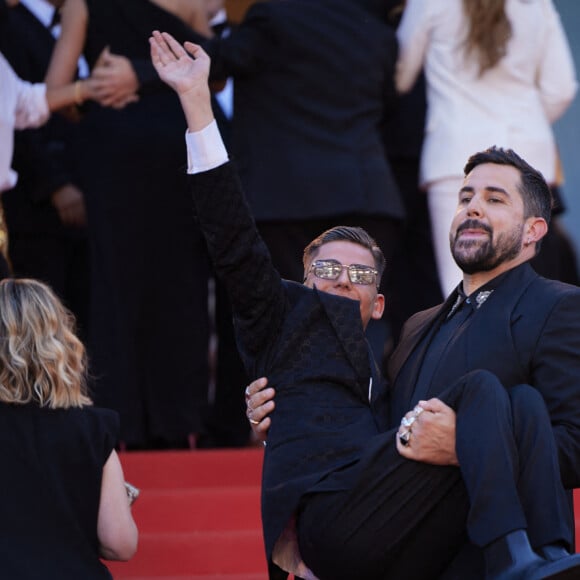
x,y
199,516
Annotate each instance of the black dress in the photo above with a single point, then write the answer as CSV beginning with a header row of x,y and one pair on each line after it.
x,y
148,339
52,462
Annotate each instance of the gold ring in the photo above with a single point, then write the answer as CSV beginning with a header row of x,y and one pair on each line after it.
x,y
254,422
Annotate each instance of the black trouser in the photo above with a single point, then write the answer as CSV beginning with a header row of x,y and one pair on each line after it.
x,y
405,519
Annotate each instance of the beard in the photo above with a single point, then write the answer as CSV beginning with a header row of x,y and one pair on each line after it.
x,y
482,256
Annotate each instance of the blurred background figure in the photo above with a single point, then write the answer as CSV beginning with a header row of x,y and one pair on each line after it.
x,y
413,284
148,339
307,125
44,211
499,73
64,504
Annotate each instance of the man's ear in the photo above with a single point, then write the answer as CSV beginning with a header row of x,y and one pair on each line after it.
x,y
536,229
378,307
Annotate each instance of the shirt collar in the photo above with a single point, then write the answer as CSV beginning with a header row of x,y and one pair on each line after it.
x,y
41,9
477,298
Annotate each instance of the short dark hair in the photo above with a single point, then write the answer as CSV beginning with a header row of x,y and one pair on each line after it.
x,y
352,234
535,192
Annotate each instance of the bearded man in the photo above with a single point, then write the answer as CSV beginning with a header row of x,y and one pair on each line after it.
x,y
502,317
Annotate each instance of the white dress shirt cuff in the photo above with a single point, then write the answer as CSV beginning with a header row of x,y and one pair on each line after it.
x,y
205,149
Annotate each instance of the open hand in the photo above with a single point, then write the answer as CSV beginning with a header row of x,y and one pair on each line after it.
x,y
184,68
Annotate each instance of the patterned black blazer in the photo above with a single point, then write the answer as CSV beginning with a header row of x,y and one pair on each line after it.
x,y
311,346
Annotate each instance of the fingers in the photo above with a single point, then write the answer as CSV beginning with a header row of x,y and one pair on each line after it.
x,y
405,431
434,405
161,52
259,405
103,58
168,47
255,386
196,51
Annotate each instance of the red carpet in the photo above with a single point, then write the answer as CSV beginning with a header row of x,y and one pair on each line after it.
x,y
199,516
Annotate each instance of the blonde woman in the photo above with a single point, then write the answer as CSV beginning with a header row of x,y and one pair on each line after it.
x,y
498,72
64,505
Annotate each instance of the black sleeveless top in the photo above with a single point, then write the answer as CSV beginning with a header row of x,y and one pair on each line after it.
x,y
50,484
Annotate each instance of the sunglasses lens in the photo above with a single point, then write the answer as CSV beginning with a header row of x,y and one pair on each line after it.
x,y
327,270
365,276
331,270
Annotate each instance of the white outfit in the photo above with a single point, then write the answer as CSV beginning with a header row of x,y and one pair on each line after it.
x,y
511,105
22,105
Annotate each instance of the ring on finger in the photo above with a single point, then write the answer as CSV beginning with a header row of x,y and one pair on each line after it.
x,y
407,422
405,437
254,422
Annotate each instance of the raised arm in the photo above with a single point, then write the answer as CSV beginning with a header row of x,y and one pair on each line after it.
x,y
239,255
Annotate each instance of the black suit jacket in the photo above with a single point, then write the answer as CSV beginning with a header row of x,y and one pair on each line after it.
x,y
313,80
310,345
528,331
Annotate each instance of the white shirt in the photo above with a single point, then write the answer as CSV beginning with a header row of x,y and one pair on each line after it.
x,y
205,149
22,105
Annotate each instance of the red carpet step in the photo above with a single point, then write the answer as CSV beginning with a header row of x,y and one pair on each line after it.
x,y
199,516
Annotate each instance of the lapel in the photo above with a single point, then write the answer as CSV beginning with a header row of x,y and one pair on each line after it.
x,y
344,316
487,341
415,329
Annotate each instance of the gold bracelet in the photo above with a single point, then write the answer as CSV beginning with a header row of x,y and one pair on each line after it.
x,y
78,93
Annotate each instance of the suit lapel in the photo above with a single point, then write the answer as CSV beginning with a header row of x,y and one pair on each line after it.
x,y
414,331
486,342
344,316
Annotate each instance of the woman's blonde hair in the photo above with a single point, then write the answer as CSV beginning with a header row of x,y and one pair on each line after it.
x,y
41,359
489,31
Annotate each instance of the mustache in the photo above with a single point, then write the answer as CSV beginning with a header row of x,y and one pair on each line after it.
x,y
473,225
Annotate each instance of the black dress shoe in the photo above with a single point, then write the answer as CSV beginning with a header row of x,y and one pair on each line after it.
x,y
553,552
512,558
566,568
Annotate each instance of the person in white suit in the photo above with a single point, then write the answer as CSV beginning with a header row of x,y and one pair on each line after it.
x,y
499,72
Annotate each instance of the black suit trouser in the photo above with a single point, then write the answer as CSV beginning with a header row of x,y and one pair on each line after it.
x,y
405,519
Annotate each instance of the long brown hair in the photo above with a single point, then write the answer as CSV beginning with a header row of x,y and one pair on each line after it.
x,y
489,31
41,359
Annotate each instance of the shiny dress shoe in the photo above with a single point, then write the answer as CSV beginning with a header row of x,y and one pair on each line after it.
x,y
512,558
553,552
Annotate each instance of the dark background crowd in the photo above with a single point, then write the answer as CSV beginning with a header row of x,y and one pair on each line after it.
x,y
101,213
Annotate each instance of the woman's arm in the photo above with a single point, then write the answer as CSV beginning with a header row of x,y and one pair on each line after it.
x,y
70,44
116,528
413,37
556,75
70,94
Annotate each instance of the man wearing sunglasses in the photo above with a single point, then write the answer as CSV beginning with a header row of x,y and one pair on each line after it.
x,y
329,467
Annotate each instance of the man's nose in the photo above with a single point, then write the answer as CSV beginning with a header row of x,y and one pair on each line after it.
x,y
344,279
474,207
